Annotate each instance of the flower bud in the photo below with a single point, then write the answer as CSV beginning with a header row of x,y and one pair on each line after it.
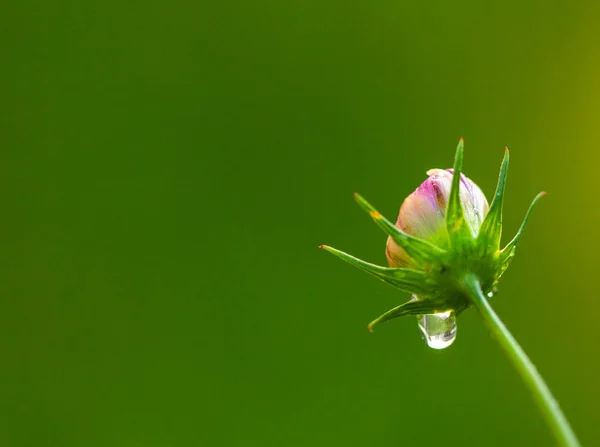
x,y
423,213
445,233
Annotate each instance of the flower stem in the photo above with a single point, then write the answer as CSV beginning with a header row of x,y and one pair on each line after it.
x,y
533,380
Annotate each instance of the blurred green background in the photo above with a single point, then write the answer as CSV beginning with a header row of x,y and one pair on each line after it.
x,y
168,170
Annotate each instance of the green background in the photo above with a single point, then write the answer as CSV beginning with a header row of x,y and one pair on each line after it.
x,y
168,170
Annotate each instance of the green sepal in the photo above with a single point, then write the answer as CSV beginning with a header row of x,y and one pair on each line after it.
x,y
412,281
422,252
415,307
491,228
458,229
508,252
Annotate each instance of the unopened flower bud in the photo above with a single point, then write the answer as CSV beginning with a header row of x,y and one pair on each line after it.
x,y
423,213
445,232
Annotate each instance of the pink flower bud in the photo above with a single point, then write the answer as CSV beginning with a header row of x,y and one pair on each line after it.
x,y
423,213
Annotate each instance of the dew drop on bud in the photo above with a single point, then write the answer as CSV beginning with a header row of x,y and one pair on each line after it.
x,y
438,330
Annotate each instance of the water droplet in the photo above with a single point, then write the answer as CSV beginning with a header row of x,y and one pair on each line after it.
x,y
492,293
438,330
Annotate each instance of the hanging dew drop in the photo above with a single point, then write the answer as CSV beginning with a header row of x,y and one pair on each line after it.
x,y
438,330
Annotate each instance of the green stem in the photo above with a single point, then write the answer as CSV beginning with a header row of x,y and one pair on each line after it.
x,y
528,372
